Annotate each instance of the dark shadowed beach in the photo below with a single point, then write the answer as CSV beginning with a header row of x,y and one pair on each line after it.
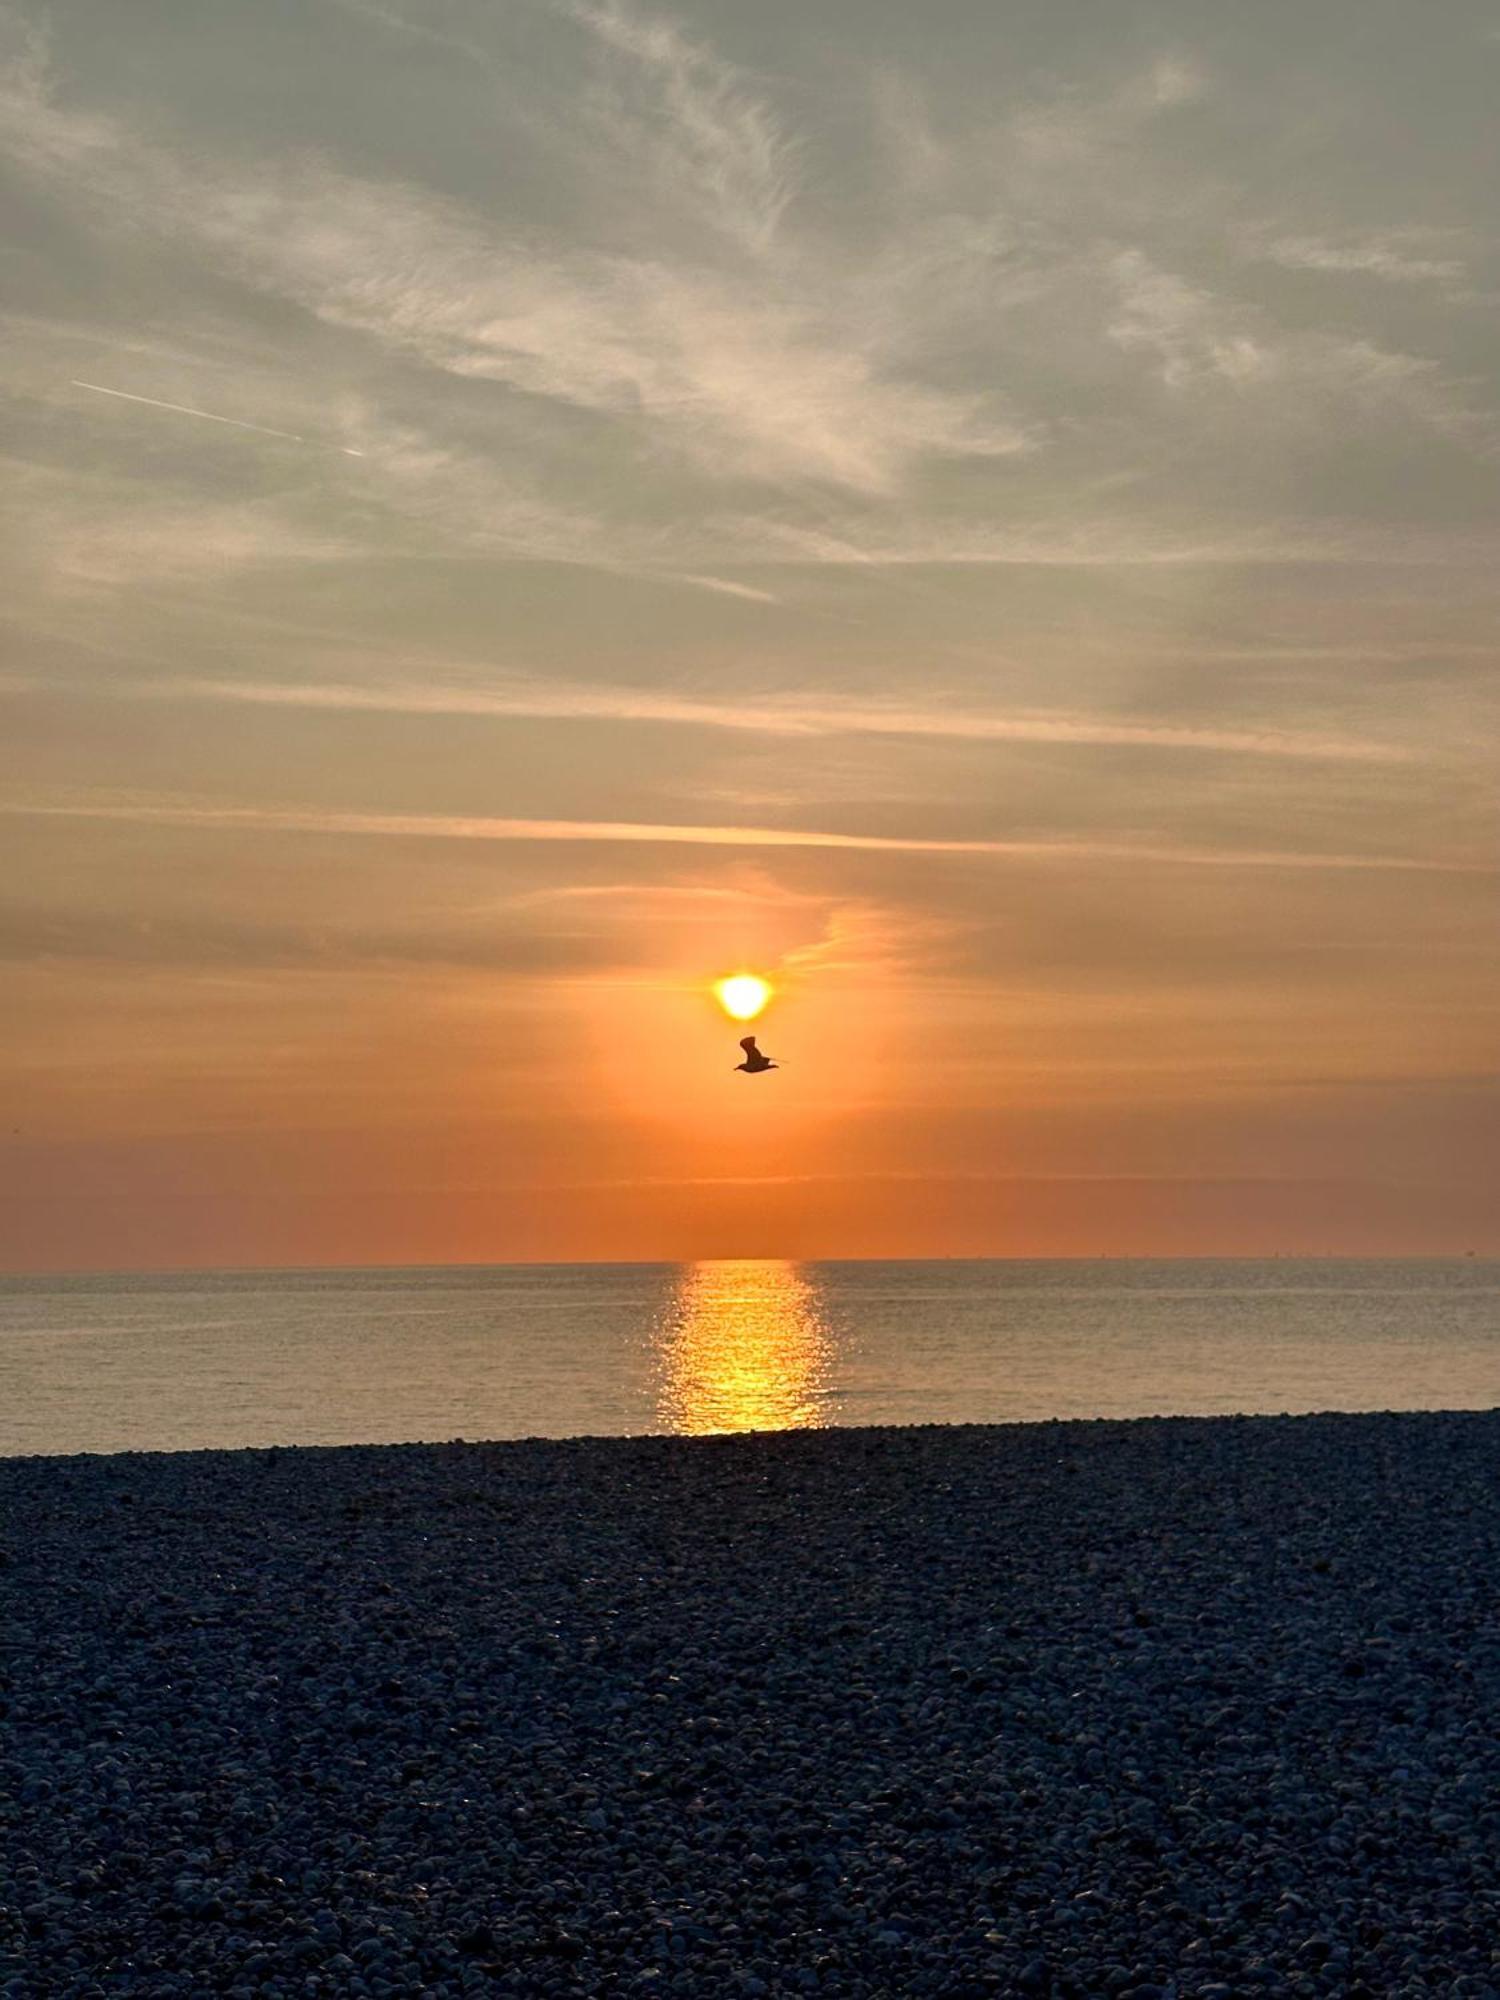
x,y
1165,1708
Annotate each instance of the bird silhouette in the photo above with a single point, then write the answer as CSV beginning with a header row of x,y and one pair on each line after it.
x,y
754,1061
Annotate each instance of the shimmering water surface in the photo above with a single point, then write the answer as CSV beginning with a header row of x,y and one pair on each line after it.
x,y
334,1357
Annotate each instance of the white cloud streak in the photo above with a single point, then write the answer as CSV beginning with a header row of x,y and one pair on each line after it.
x,y
1395,255
478,827
797,717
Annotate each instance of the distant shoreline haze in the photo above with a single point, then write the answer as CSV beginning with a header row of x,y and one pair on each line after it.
x,y
320,1209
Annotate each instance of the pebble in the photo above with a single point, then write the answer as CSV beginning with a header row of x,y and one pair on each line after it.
x,y
1169,1710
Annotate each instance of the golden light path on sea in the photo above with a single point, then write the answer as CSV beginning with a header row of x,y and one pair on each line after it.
x,y
743,1346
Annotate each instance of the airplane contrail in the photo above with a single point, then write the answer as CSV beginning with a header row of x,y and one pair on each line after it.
x,y
209,416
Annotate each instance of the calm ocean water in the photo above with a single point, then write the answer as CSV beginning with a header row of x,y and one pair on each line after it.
x,y
333,1357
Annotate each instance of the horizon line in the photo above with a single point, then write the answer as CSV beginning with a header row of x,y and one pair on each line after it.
x,y
1475,1256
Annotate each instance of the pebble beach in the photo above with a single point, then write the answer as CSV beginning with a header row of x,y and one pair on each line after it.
x,y
1167,1708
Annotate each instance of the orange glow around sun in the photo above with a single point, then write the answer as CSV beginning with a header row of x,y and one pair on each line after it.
x,y
742,995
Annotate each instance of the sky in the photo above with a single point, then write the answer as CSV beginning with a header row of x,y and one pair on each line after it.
x,y
982,514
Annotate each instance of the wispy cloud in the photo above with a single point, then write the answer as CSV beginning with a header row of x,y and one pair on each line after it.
x,y
1232,358
1075,539
88,531
725,587
795,716
1400,256
478,827
1197,336
774,394
872,939
743,375
696,120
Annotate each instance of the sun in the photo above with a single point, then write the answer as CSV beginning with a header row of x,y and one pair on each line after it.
x,y
742,995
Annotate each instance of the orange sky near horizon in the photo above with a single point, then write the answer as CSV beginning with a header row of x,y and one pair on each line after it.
x,y
428,1114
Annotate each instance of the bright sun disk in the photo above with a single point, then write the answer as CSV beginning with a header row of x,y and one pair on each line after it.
x,y
742,996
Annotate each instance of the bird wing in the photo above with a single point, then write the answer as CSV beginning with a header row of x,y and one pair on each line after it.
x,y
747,1043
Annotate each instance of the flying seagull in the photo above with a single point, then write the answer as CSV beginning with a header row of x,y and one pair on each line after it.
x,y
754,1061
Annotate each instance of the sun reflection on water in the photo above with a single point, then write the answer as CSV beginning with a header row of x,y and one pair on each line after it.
x,y
743,1346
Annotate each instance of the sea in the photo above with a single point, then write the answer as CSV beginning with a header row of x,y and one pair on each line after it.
x,y
195,1360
